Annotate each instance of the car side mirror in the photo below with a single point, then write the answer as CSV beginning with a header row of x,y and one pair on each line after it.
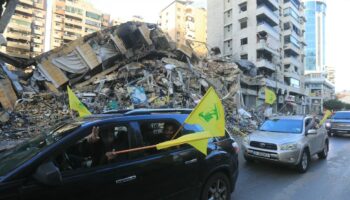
x,y
48,174
312,132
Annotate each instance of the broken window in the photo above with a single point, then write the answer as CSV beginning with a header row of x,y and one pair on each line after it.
x,y
244,24
243,7
244,57
244,41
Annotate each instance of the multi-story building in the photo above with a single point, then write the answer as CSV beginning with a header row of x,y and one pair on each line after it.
x,y
72,19
106,21
25,33
320,90
331,74
270,34
315,51
185,24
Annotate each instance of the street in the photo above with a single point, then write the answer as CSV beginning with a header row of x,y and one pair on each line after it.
x,y
325,179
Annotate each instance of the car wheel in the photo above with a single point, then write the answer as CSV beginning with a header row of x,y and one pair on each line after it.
x,y
217,187
324,153
304,162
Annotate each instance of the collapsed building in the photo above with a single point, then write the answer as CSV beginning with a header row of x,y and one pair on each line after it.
x,y
133,65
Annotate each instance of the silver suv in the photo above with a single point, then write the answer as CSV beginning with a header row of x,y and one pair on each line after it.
x,y
288,140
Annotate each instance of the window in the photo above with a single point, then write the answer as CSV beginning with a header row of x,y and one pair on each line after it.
x,y
92,23
92,152
228,13
244,41
244,57
93,15
243,7
244,24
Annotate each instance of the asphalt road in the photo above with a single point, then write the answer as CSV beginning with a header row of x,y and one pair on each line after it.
x,y
326,179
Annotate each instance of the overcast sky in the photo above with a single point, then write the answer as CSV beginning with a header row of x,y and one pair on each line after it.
x,y
337,28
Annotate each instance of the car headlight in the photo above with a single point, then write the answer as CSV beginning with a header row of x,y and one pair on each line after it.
x,y
328,125
246,140
289,146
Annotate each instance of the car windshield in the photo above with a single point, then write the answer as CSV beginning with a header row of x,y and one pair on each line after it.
x,y
12,158
341,115
282,126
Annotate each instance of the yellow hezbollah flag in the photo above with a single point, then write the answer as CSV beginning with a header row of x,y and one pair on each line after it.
x,y
325,117
209,114
76,105
197,140
270,96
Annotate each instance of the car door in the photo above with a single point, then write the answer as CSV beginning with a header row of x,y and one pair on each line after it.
x,y
175,170
106,181
312,139
321,135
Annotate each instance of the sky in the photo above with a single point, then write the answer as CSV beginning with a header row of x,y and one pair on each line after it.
x,y
337,28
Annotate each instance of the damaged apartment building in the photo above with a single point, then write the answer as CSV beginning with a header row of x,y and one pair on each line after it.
x,y
132,65
269,33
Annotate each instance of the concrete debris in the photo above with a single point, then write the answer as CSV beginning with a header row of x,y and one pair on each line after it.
x,y
133,65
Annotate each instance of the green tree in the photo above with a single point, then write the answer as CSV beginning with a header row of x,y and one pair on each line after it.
x,y
333,104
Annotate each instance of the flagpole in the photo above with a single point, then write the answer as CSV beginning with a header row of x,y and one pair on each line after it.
x,y
178,130
133,150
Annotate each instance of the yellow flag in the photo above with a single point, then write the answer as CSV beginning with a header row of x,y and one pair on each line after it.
x,y
197,140
270,96
209,114
76,105
325,117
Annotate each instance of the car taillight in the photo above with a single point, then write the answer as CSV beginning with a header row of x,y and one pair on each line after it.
x,y
235,146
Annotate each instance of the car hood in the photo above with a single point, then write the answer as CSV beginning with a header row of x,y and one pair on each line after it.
x,y
340,120
273,137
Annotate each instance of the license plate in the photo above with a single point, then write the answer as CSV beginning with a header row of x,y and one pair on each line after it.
x,y
262,154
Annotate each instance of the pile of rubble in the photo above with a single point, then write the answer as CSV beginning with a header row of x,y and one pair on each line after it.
x,y
133,65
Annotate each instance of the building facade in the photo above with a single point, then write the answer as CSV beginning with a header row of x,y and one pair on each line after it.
x,y
270,33
318,81
25,33
320,90
185,24
331,74
72,19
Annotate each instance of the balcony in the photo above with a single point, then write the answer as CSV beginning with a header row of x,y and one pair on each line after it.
x,y
39,5
292,6
263,63
74,15
265,14
17,35
263,45
18,45
23,18
289,18
292,61
292,49
24,9
19,27
39,14
291,74
18,54
28,2
38,41
39,31
73,22
70,37
243,15
37,49
265,27
38,23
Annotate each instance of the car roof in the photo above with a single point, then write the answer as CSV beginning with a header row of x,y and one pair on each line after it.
x,y
344,111
136,114
292,117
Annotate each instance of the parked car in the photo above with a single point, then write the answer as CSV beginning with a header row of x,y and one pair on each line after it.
x,y
57,164
290,140
339,123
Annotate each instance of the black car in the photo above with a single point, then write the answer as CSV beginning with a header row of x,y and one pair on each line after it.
x,y
339,123
68,163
